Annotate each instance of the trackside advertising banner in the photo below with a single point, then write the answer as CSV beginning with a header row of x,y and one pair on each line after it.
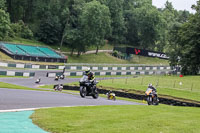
x,y
142,52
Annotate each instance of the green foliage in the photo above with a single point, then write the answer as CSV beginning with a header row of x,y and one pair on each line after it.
x,y
117,21
186,44
20,29
50,29
3,4
4,24
95,23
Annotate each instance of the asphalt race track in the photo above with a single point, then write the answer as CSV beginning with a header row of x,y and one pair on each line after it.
x,y
23,99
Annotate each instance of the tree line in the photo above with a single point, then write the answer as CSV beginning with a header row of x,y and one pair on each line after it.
x,y
80,24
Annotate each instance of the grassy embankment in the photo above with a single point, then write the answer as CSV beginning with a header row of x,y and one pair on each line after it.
x,y
12,86
187,87
120,119
100,58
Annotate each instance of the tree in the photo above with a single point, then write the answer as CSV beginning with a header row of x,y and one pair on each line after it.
x,y
143,26
3,4
95,24
50,29
117,21
188,44
4,24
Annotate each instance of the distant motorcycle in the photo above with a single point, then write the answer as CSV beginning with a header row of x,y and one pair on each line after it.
x,y
56,78
152,98
58,88
88,88
38,81
111,96
62,76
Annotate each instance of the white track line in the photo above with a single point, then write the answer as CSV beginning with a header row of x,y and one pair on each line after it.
x,y
30,109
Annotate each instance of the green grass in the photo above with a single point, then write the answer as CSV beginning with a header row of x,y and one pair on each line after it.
x,y
119,119
12,86
106,58
3,76
166,85
101,58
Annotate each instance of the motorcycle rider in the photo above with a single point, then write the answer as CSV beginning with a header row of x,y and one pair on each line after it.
x,y
154,90
151,87
91,77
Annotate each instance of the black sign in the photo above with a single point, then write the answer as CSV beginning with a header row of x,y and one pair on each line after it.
x,y
142,52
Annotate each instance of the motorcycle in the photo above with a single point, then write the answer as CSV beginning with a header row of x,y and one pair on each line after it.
x,y
111,96
37,81
56,78
58,88
152,98
88,88
62,76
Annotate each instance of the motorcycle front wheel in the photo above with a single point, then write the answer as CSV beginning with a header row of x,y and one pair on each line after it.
x,y
83,91
149,100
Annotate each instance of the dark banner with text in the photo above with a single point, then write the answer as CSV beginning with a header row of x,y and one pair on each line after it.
x,y
142,52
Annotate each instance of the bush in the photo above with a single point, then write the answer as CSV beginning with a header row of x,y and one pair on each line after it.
x,y
4,24
21,30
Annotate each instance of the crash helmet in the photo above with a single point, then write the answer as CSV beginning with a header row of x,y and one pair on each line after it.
x,y
150,85
87,71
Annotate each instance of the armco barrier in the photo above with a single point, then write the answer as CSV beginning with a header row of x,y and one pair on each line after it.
x,y
80,67
168,101
107,73
12,73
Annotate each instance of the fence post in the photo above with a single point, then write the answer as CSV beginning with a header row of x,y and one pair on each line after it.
x,y
126,80
142,80
191,86
174,84
157,83
113,80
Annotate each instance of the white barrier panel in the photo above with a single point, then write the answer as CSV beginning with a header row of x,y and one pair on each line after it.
x,y
3,64
52,75
142,73
133,73
114,68
132,68
19,65
123,73
26,74
10,73
61,67
139,68
105,68
123,68
36,66
147,68
154,68
113,73
79,73
102,73
84,68
73,67
94,68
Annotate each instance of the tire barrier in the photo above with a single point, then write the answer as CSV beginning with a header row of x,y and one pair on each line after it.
x,y
12,73
163,100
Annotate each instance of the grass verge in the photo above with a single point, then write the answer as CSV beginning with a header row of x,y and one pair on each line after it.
x,y
126,119
187,87
12,86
